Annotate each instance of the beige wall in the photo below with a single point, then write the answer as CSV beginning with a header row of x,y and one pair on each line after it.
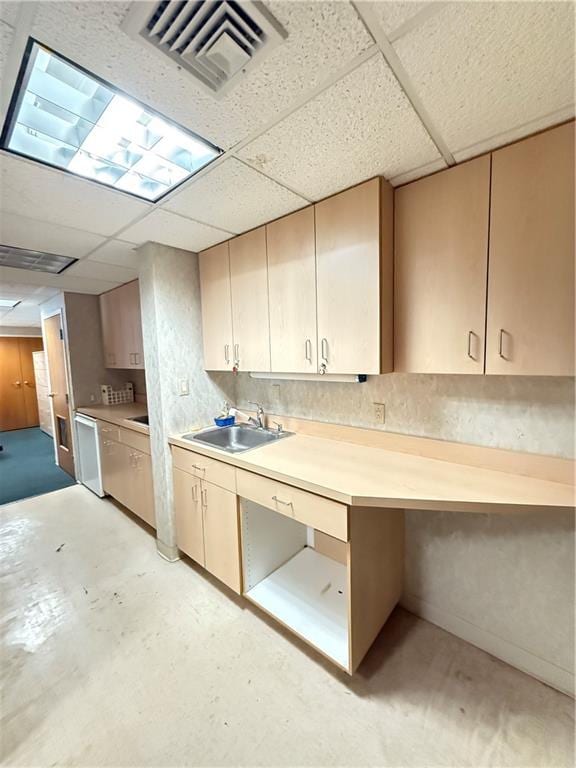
x,y
504,583
9,330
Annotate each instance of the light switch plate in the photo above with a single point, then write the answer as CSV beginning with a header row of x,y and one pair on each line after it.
x,y
183,389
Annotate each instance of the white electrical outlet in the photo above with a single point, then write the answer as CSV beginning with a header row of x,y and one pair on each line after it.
x,y
183,388
379,413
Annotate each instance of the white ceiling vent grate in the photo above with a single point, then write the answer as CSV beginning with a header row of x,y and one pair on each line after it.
x,y
216,41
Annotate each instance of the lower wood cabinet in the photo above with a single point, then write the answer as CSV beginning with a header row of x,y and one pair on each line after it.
x,y
127,471
207,527
331,574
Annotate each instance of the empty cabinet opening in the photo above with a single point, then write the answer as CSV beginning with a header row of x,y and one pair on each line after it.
x,y
287,575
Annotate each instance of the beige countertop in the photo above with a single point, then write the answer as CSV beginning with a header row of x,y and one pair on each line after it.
x,y
118,414
363,475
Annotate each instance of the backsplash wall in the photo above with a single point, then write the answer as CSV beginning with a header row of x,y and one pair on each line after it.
x,y
502,582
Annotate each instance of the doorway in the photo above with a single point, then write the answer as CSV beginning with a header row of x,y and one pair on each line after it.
x,y
58,394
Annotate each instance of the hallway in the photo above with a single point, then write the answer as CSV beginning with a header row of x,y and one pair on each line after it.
x,y
113,656
27,466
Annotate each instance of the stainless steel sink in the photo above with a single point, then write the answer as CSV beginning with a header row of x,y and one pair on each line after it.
x,y
237,438
140,419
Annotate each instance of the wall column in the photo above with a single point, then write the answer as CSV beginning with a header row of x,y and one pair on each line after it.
x,y
172,332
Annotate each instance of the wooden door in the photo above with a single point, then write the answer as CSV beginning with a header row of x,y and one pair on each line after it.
x,y
189,515
27,347
55,354
530,328
222,535
440,271
12,404
216,298
132,325
142,488
292,293
348,280
249,284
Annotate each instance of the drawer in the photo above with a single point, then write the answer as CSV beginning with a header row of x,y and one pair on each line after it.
x,y
211,470
108,431
136,440
322,514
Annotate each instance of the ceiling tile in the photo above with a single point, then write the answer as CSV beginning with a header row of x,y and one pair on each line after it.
x,y
55,196
99,271
392,15
170,229
6,37
234,197
22,232
362,126
62,282
117,252
319,34
9,12
481,69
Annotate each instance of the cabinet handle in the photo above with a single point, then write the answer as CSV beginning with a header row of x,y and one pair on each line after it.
x,y
308,350
471,334
324,350
194,493
136,358
204,493
199,468
18,383
501,343
237,353
284,503
227,353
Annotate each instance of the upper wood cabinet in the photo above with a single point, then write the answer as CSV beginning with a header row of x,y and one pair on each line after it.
x,y
122,327
441,262
292,287
249,287
216,308
354,268
530,328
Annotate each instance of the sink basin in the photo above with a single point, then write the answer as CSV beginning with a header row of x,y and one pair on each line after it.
x,y
141,419
237,438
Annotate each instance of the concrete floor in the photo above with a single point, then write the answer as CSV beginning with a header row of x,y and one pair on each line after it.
x,y
113,657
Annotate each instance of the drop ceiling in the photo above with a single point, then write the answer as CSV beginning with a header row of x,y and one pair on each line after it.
x,y
357,89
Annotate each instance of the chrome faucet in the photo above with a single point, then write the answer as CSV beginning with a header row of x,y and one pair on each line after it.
x,y
259,420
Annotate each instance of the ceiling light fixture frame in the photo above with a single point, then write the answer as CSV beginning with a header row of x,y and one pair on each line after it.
x,y
19,92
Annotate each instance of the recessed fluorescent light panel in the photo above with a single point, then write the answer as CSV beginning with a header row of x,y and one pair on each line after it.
x,y
37,261
66,117
9,303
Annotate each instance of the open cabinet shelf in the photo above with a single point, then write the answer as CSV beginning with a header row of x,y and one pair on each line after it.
x,y
309,595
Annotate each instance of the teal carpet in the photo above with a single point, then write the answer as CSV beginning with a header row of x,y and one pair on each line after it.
x,y
27,465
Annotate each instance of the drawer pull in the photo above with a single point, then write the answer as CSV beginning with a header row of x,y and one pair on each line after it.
x,y
199,468
279,501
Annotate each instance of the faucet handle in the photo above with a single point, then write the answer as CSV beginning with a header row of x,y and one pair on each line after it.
x,y
258,406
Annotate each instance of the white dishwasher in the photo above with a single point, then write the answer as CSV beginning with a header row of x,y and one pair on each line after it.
x,y
88,465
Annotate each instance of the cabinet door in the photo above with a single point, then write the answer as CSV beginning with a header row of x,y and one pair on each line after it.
x,y
216,308
189,515
222,535
132,325
440,269
116,469
250,319
110,323
142,491
348,274
292,286
530,327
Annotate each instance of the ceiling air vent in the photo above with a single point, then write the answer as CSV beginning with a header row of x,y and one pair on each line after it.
x,y
216,42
